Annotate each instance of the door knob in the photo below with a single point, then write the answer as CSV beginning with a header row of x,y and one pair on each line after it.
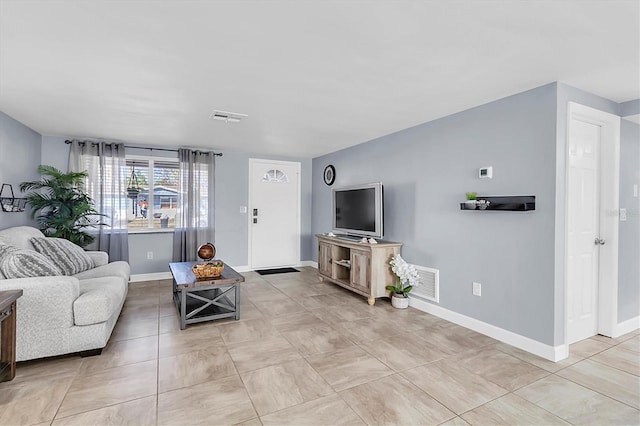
x,y
599,242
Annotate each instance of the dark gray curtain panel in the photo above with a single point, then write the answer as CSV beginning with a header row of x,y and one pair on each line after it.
x,y
106,185
195,216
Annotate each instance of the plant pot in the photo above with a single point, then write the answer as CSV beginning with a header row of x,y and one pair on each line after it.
x,y
133,193
470,204
399,301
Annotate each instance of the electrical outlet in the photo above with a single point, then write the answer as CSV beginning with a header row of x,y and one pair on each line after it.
x,y
243,209
149,255
477,289
623,214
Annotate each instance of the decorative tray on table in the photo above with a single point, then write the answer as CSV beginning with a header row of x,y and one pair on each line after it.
x,y
211,269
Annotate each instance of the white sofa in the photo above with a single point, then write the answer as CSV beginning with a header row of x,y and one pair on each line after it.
x,y
65,314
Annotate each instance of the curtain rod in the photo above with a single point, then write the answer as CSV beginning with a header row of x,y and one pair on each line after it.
x,y
217,154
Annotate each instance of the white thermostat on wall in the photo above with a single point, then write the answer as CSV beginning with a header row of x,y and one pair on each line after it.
x,y
485,172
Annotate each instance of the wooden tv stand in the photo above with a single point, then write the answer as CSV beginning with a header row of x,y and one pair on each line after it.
x,y
360,267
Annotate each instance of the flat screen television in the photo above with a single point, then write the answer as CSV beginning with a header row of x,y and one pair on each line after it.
x,y
358,210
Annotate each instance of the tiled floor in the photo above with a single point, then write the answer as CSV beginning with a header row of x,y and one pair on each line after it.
x,y
307,353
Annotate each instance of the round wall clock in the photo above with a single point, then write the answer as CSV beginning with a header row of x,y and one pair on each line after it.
x,y
329,174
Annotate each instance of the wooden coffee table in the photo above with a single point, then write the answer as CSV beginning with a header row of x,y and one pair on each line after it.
x,y
199,300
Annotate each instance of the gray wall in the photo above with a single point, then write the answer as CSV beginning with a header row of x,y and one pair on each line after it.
x,y
518,257
630,108
19,161
232,191
232,186
629,243
55,152
426,171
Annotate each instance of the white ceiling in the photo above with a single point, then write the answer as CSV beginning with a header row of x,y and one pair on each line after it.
x,y
313,76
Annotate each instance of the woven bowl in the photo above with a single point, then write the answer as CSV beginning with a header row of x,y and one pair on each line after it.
x,y
208,269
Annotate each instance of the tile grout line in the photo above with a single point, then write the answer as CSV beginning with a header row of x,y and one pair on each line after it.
x,y
102,408
611,366
598,392
595,390
65,395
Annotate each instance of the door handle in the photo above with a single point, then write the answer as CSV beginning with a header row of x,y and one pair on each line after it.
x,y
599,242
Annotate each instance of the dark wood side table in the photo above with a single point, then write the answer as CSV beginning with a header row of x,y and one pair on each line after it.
x,y
8,334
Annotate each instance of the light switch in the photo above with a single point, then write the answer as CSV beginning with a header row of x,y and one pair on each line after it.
x,y
477,289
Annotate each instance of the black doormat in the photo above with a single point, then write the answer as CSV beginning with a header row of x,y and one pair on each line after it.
x,y
275,271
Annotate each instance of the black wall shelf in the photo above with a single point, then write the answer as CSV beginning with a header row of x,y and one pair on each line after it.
x,y
11,204
517,203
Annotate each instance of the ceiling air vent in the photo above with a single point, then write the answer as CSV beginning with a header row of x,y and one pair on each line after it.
x,y
226,116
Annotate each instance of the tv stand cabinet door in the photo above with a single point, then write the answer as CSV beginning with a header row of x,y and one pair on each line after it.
x,y
324,259
361,270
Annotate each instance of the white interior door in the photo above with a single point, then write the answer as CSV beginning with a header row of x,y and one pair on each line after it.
x,y
274,213
583,230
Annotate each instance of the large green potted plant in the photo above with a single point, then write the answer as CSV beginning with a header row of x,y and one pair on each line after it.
x,y
60,205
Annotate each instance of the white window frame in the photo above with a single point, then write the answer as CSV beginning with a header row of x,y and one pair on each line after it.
x,y
150,200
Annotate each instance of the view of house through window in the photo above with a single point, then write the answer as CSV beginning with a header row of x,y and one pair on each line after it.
x,y
152,191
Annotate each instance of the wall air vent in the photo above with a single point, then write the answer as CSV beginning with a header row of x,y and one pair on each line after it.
x,y
429,284
227,117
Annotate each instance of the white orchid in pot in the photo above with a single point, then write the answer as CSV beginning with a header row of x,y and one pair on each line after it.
x,y
407,278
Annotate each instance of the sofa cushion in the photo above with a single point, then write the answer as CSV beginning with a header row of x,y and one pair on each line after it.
x,y
114,269
99,299
16,262
20,236
70,258
98,258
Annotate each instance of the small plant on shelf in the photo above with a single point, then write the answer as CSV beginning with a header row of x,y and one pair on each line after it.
x,y
471,202
407,278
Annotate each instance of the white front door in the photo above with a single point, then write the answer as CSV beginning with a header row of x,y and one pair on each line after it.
x,y
583,230
274,213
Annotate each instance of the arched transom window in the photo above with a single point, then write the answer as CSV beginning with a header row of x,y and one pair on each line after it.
x,y
275,176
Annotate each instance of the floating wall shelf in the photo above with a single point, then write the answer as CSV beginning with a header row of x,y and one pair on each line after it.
x,y
516,203
11,204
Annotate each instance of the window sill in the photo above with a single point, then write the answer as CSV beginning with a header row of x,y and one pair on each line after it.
x,y
150,231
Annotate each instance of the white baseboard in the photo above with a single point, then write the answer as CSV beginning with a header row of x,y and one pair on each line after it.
x,y
308,263
150,277
552,353
627,326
